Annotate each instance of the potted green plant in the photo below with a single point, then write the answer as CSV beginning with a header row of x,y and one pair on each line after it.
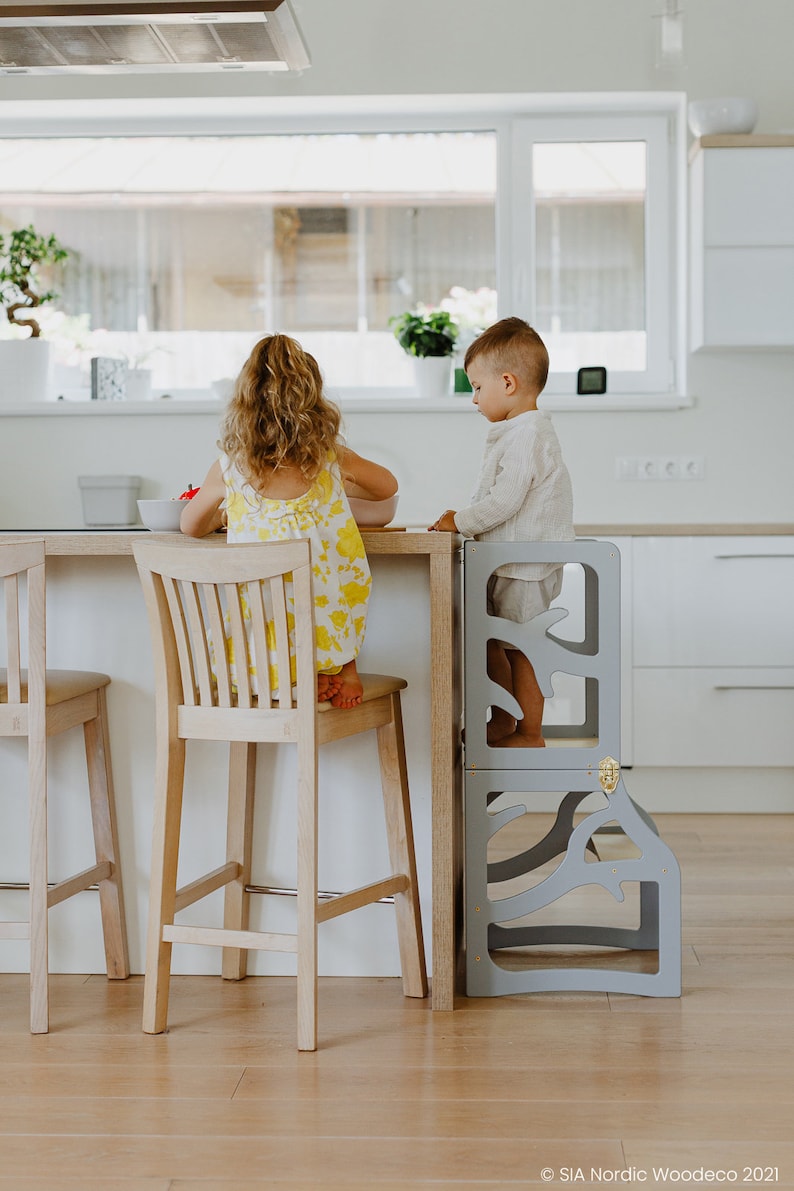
x,y
21,254
24,362
429,336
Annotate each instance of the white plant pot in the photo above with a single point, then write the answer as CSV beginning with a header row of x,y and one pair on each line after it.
x,y
25,371
139,384
433,376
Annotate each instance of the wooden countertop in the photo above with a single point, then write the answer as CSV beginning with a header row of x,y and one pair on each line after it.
x,y
749,140
752,140
685,530
109,542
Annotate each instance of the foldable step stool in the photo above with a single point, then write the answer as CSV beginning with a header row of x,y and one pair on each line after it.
x,y
579,759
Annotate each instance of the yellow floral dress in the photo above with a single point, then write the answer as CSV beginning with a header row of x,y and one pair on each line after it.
x,y
341,572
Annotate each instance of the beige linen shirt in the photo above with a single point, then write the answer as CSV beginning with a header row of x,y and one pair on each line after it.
x,y
523,493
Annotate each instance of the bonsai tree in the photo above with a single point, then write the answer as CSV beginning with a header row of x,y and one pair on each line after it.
x,y
21,253
425,333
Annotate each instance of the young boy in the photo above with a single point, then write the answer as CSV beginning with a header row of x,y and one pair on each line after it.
x,y
523,494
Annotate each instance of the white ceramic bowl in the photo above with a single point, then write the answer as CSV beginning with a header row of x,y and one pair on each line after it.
x,y
712,117
161,516
373,513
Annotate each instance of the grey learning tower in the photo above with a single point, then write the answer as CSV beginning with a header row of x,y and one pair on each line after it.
x,y
515,905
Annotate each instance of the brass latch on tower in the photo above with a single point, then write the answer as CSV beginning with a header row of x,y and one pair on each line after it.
x,y
608,774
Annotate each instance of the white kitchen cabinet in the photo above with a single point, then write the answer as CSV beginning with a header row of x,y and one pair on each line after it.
x,y
742,242
727,716
713,601
713,651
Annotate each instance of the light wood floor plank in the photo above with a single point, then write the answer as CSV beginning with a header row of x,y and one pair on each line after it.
x,y
389,1120
355,1159
20,1182
399,1097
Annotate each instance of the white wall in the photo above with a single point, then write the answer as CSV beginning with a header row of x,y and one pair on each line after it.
x,y
378,46
742,421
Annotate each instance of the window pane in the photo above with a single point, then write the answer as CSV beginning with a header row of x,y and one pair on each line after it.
x,y
183,250
590,253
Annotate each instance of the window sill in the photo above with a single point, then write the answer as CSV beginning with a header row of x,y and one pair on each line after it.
x,y
91,409
369,403
616,402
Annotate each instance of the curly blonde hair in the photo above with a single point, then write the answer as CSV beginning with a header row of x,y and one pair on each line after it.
x,y
278,414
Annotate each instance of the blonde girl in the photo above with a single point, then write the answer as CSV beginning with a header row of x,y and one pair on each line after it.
x,y
284,473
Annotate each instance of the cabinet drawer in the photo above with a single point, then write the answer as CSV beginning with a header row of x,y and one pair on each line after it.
x,y
713,601
720,717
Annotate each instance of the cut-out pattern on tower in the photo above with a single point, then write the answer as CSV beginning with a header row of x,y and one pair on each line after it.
x,y
569,910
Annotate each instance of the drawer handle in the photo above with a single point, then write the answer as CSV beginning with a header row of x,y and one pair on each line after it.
x,y
723,556
754,686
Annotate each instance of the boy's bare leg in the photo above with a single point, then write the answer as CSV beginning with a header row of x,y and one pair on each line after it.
x,y
501,723
528,732
350,690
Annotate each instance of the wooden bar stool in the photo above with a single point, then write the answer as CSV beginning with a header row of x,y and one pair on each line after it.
x,y
38,703
197,595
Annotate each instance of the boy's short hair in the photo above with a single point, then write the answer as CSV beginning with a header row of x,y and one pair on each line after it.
x,y
511,345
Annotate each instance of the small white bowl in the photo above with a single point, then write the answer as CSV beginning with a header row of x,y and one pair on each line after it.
x,y
161,516
371,514
714,117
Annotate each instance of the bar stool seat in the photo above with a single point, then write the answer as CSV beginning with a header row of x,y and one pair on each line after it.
x,y
209,603
62,685
37,703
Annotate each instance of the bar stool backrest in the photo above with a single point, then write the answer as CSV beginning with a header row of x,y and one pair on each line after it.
x,y
225,646
23,688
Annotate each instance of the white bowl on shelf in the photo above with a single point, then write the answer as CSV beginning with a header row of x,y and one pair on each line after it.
x,y
372,514
161,516
717,117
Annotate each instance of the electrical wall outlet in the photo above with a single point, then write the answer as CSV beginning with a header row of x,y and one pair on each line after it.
x,y
625,467
659,467
692,467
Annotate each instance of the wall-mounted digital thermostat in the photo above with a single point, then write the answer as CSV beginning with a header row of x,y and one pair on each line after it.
x,y
591,380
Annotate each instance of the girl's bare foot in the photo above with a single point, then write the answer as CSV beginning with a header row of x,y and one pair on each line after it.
x,y
328,685
350,691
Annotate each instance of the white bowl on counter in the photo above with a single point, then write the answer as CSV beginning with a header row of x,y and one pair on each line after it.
x,y
373,514
717,117
161,516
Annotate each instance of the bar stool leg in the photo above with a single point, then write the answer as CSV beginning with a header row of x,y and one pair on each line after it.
x,y
307,894
106,840
39,936
399,832
239,845
162,890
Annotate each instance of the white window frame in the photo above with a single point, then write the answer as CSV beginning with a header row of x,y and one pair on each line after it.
x,y
657,117
519,292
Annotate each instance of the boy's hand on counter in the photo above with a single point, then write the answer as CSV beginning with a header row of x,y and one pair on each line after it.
x,y
445,523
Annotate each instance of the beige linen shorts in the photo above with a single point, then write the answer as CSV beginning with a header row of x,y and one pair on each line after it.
x,y
521,599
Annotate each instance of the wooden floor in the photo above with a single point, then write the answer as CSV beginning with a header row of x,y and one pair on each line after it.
x,y
593,1088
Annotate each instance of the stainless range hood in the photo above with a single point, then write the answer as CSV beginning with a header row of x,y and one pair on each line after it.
x,y
107,38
